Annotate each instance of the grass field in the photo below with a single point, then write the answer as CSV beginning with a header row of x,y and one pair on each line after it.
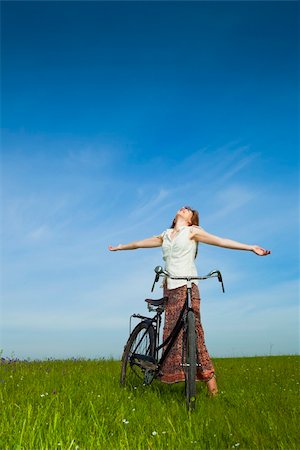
x,y
78,404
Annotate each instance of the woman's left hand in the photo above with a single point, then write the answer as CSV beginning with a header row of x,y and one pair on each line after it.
x,y
260,251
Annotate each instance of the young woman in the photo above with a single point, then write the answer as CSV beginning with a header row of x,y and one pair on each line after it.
x,y
179,245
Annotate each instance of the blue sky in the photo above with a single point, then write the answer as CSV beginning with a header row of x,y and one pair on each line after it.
x,y
114,115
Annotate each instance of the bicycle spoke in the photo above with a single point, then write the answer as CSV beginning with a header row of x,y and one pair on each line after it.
x,y
139,354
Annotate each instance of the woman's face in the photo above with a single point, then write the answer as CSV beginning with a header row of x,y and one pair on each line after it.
x,y
186,213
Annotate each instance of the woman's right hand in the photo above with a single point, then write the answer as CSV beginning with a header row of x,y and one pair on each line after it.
x,y
114,249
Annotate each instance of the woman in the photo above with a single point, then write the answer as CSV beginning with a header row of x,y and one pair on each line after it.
x,y
179,245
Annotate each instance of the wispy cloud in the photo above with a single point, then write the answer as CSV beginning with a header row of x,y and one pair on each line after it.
x,y
116,169
39,234
73,284
148,205
231,199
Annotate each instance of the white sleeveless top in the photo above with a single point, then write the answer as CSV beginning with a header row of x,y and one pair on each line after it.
x,y
179,254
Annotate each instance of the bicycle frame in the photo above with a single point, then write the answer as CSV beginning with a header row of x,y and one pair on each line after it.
x,y
143,347
156,323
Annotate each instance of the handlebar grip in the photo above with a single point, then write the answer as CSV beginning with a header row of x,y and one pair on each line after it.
x,y
159,270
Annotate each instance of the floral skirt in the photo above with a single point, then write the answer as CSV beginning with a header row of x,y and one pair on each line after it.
x,y
171,370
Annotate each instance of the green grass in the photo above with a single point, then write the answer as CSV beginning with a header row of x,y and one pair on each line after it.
x,y
78,404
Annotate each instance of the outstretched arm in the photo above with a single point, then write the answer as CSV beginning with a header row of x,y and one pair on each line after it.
x,y
207,238
145,243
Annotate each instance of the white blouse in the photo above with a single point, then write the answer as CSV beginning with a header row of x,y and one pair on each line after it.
x,y
179,254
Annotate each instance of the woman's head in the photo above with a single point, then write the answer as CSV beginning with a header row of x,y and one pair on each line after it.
x,y
187,213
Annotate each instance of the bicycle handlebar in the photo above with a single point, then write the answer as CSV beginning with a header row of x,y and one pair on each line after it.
x,y
212,274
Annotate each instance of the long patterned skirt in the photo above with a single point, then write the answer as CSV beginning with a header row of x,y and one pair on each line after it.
x,y
171,371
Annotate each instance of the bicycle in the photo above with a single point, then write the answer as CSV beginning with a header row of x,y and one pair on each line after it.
x,y
143,350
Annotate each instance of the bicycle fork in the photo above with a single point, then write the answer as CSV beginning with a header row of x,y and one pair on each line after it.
x,y
185,330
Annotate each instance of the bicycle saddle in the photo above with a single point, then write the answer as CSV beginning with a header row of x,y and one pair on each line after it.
x,y
158,302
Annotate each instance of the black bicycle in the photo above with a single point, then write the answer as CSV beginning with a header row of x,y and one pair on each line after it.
x,y
145,354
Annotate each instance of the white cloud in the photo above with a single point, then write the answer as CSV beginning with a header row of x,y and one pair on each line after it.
x,y
230,200
40,233
67,281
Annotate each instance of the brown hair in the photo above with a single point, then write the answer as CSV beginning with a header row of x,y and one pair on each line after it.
x,y
194,220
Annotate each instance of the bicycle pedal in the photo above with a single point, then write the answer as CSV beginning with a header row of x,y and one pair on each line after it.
x,y
148,365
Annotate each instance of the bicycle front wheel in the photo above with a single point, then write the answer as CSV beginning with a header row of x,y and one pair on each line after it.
x,y
138,352
190,362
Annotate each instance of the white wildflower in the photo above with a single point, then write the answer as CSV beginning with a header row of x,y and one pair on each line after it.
x,y
154,433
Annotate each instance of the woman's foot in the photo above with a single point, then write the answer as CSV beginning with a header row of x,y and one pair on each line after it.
x,y
212,387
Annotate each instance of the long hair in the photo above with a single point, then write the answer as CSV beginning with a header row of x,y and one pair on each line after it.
x,y
194,221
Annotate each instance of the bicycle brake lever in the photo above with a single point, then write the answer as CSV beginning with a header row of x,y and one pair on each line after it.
x,y
219,275
222,286
152,289
155,281
220,279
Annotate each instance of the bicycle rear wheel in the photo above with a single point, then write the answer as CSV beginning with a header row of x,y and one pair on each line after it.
x,y
138,353
190,362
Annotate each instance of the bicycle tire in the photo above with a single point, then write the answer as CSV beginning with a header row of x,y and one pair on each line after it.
x,y
142,342
190,362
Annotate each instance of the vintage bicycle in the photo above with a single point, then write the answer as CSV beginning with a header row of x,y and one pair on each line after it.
x,y
144,353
